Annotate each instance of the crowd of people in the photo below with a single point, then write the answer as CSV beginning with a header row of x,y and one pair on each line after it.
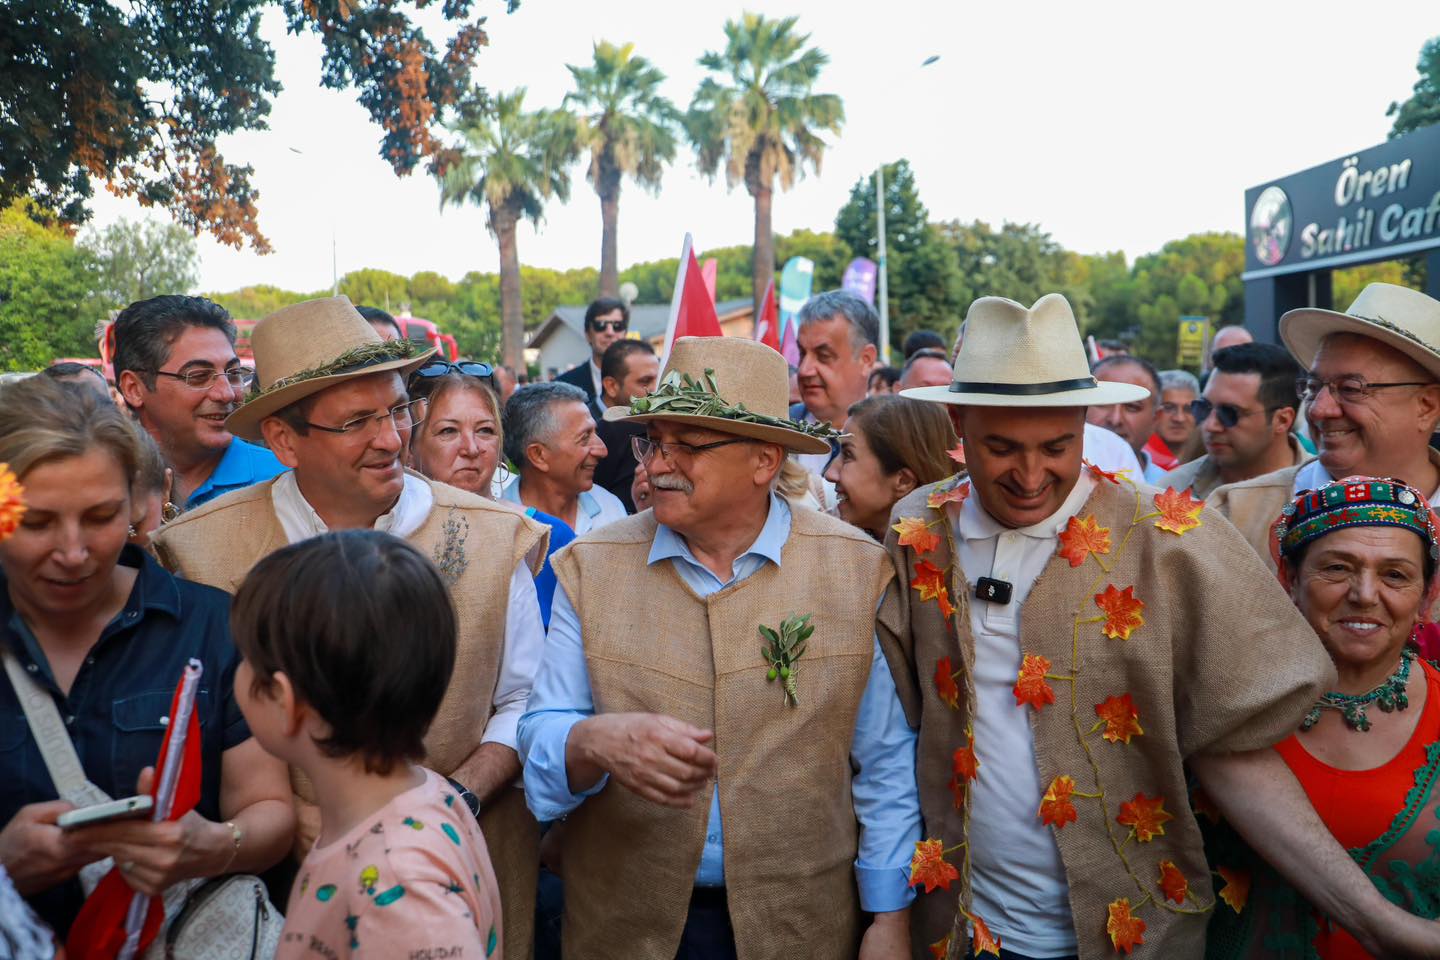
x,y
1020,647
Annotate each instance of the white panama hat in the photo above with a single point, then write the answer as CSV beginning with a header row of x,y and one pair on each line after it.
x,y
1014,357
1399,317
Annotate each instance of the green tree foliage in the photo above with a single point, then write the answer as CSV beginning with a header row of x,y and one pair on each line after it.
x,y
925,286
510,161
628,129
46,309
137,95
760,119
139,260
1423,106
1198,275
260,300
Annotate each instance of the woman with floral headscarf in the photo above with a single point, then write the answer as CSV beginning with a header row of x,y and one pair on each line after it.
x,y
1358,557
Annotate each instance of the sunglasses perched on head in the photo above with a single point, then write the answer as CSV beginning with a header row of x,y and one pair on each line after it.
x,y
619,326
440,368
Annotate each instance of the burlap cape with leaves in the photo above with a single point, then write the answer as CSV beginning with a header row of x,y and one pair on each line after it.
x,y
1220,660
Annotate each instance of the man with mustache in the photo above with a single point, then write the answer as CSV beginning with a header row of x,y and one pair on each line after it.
x,y
551,438
1074,642
1372,395
331,403
713,716
175,365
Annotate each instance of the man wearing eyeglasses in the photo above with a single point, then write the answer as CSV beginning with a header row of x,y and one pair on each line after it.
x,y
331,402
1246,417
1372,395
606,320
176,367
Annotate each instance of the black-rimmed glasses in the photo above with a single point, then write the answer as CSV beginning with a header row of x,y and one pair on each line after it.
x,y
645,449
1346,389
440,368
404,416
203,378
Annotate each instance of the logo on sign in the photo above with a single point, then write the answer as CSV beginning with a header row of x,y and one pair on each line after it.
x,y
1271,226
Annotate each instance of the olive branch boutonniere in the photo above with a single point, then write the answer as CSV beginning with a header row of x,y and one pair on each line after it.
x,y
783,649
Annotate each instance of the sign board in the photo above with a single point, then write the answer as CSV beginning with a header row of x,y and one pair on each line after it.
x,y
1194,333
1377,204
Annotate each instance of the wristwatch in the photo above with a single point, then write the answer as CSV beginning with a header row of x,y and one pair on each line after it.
x,y
466,797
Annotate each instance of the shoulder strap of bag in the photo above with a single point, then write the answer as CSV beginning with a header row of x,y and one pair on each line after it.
x,y
51,736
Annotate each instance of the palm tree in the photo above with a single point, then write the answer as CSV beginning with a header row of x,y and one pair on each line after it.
x,y
509,161
761,118
629,129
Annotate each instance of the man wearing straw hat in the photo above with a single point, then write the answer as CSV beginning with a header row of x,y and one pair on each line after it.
x,y
1372,394
1073,640
713,713
330,401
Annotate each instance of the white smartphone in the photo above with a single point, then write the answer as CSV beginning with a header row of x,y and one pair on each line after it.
x,y
129,808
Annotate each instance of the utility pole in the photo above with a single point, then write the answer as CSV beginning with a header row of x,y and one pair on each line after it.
x,y
884,281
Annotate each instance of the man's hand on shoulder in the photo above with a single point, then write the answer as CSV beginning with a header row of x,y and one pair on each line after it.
x,y
662,759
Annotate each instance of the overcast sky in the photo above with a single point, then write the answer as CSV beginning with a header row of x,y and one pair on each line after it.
x,y
1114,126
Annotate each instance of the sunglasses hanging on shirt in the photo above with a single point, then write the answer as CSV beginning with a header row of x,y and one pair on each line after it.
x,y
993,591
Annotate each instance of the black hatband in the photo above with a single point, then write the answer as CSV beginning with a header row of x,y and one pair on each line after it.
x,y
1024,389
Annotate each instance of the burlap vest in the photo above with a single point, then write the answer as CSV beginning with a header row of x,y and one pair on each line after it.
x,y
652,645
1222,663
477,545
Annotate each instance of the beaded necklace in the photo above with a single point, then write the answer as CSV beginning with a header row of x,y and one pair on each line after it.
x,y
1389,696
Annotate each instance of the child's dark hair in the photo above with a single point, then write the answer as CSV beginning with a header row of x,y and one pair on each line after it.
x,y
362,625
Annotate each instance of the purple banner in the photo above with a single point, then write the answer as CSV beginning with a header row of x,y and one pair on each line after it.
x,y
860,278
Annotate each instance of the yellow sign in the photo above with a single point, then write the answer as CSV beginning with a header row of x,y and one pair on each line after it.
x,y
1194,332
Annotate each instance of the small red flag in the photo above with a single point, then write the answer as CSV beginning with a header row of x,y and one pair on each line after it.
x,y
767,323
692,312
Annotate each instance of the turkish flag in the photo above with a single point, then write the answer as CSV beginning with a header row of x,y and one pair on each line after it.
x,y
692,312
99,931
767,324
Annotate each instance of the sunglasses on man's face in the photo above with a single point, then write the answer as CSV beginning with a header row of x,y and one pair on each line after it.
x,y
619,326
1227,414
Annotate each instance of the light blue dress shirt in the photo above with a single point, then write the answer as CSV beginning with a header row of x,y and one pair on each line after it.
x,y
887,803
243,464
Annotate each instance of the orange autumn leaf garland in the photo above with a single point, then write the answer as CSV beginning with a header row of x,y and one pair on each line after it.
x,y
915,532
940,949
1126,930
956,492
1122,612
965,764
945,683
1121,719
1179,512
1237,888
1031,686
928,866
1056,807
930,581
1105,475
1081,538
1173,883
983,941
1145,816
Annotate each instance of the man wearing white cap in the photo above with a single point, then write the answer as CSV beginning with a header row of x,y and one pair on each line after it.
x,y
330,401
1372,392
1074,640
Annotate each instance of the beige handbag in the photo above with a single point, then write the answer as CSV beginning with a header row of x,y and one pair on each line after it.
x,y
228,917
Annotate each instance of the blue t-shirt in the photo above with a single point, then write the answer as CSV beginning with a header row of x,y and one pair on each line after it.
x,y
560,535
243,464
114,708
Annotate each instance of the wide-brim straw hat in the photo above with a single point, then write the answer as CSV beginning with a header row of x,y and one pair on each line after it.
x,y
1399,317
742,385
305,348
1014,357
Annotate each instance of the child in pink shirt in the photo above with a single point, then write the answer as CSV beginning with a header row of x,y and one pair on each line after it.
x,y
349,642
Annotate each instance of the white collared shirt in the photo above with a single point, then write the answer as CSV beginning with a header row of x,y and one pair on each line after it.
x,y
596,507
1017,875
524,633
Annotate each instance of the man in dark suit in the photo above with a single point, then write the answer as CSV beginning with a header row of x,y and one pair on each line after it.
x,y
606,320
628,370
